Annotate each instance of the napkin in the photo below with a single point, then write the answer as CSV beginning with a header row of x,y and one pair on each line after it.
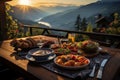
x,y
83,75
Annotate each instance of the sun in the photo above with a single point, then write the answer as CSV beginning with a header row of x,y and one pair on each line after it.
x,y
24,2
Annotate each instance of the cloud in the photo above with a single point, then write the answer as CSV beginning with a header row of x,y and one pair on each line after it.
x,y
53,4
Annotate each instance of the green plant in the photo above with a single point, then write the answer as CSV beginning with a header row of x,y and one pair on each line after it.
x,y
12,26
89,28
14,30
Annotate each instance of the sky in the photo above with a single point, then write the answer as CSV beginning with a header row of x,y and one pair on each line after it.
x,y
54,2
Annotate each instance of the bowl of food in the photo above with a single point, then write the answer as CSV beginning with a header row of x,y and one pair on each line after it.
x,y
62,51
71,62
89,46
40,53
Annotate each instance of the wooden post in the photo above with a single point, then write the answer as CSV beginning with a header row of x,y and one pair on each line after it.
x,y
3,29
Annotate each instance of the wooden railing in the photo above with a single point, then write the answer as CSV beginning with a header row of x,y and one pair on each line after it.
x,y
113,40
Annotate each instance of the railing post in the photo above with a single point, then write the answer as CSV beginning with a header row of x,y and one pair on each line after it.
x,y
67,35
45,30
31,33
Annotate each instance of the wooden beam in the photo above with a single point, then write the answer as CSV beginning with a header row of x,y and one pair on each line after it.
x,y
5,0
3,30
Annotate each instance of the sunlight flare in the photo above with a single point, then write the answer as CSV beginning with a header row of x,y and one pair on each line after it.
x,y
24,2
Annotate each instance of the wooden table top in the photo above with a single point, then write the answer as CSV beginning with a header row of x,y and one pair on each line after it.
x,y
39,72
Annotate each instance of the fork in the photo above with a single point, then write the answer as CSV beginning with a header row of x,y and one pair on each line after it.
x,y
92,74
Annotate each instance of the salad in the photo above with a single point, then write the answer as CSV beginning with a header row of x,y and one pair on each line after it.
x,y
89,46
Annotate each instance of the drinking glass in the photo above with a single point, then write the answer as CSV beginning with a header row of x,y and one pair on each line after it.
x,y
71,37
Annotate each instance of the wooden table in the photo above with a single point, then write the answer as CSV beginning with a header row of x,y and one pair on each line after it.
x,y
37,72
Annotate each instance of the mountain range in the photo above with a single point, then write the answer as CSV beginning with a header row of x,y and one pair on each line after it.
x,y
29,15
56,9
66,19
109,0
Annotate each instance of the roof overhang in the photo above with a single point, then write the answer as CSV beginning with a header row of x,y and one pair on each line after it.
x,y
99,19
5,0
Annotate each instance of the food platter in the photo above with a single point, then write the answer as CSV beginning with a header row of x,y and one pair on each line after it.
x,y
86,48
72,64
65,48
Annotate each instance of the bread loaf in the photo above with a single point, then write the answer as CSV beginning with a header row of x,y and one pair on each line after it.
x,y
23,43
29,43
34,43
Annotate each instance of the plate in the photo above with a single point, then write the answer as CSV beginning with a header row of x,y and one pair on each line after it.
x,y
90,55
30,58
72,67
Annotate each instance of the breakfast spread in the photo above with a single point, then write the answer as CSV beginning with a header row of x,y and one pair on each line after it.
x,y
68,54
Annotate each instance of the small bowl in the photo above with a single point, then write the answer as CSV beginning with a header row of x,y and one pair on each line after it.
x,y
41,53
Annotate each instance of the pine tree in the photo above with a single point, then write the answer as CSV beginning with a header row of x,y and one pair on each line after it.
x,y
84,24
78,22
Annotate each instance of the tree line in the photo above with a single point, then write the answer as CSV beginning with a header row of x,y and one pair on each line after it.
x,y
104,24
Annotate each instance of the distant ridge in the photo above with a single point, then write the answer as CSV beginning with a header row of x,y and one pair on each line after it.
x,y
109,0
66,19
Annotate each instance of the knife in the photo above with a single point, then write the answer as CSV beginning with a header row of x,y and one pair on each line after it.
x,y
99,74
